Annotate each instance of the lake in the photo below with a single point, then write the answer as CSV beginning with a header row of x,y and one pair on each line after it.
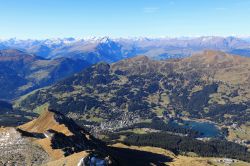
x,y
206,129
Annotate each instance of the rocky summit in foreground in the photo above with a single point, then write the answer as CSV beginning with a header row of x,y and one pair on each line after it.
x,y
48,140
54,140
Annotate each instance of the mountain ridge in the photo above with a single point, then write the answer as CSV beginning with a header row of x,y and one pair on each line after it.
x,y
156,48
141,88
22,72
59,138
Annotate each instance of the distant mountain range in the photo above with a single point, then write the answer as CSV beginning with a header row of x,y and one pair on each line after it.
x,y
111,50
26,65
21,72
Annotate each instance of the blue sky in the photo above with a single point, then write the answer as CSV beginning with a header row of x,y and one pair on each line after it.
x,y
123,18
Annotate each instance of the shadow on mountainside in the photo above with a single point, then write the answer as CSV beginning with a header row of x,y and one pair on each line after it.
x,y
127,157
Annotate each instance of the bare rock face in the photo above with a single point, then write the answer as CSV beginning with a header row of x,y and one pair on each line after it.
x,y
18,150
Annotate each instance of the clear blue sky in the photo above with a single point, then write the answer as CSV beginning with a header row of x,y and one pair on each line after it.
x,y
122,18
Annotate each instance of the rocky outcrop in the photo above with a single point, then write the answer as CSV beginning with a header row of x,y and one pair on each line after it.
x,y
52,136
18,150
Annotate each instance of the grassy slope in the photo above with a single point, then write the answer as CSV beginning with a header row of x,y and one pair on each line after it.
x,y
210,67
68,161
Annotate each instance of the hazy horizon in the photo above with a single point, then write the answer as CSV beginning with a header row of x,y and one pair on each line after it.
x,y
127,37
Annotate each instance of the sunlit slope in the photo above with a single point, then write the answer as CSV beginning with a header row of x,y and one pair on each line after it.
x,y
211,85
